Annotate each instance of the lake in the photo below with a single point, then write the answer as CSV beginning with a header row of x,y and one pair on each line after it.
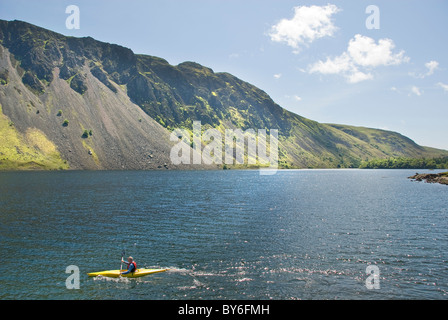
x,y
299,234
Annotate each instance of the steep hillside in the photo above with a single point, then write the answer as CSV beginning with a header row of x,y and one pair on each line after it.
x,y
119,134
126,104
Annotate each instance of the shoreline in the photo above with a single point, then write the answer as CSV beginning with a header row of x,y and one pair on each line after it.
x,y
441,178
419,176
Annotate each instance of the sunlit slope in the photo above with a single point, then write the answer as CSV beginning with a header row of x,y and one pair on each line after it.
x,y
32,150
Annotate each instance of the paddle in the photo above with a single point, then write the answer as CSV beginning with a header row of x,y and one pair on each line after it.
x,y
122,255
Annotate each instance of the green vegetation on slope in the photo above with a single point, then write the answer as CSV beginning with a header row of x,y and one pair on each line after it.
x,y
406,163
30,151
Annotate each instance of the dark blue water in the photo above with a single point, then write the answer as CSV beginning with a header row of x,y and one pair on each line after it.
x,y
305,234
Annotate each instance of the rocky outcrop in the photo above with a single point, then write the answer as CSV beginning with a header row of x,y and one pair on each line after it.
x,y
441,178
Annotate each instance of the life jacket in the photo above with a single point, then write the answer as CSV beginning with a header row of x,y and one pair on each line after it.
x,y
135,266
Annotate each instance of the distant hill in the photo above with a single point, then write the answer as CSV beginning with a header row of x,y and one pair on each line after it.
x,y
100,106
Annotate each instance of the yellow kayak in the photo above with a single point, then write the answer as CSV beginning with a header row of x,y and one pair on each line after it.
x,y
116,273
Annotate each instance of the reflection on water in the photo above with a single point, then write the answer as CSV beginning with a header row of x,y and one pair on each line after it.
x,y
299,234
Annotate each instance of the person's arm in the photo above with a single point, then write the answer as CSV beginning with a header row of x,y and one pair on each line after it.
x,y
130,266
126,272
125,262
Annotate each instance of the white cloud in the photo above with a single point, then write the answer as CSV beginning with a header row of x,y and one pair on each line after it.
x,y
415,90
362,53
365,52
337,65
443,86
307,25
298,98
432,66
277,76
358,76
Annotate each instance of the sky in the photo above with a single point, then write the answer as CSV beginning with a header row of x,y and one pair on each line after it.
x,y
342,62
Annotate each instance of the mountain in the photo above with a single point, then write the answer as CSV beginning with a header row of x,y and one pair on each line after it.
x,y
95,105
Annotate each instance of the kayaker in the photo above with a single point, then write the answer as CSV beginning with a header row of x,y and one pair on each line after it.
x,y
132,266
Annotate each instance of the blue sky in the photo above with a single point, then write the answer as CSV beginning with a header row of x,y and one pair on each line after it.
x,y
315,58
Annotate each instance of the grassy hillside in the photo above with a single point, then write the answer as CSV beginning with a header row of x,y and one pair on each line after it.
x,y
30,151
